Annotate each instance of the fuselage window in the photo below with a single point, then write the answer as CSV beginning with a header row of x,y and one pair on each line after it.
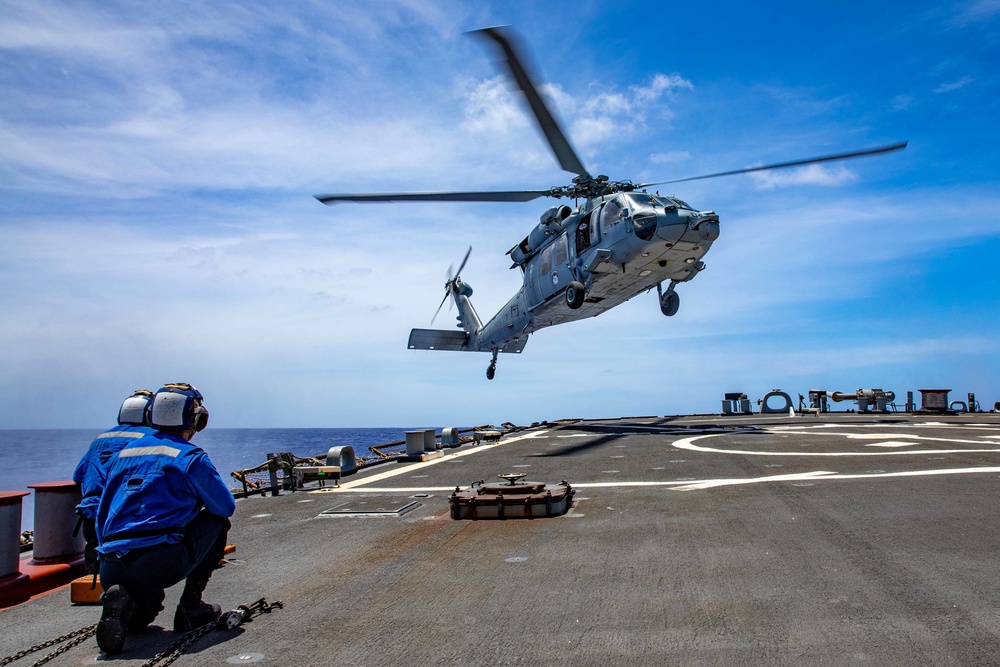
x,y
560,250
545,262
586,233
583,235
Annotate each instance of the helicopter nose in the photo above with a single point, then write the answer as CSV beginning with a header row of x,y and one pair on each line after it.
x,y
707,226
671,229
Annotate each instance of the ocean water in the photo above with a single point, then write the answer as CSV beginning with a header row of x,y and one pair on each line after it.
x,y
40,455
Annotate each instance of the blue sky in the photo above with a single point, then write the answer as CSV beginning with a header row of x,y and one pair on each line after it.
x,y
158,161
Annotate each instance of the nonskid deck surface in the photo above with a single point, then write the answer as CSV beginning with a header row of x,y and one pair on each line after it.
x,y
841,539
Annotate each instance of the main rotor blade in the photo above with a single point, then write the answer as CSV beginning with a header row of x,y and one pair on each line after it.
x,y
510,196
564,152
794,163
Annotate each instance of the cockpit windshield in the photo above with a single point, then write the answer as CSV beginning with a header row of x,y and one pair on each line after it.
x,y
641,199
672,201
644,199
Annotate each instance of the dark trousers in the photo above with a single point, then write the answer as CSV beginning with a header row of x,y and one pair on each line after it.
x,y
147,572
89,531
90,548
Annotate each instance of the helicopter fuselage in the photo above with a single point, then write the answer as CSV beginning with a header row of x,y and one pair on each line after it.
x,y
610,249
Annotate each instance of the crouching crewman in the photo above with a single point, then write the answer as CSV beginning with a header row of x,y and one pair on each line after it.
x,y
163,518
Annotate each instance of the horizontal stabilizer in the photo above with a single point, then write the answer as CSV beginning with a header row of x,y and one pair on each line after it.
x,y
457,341
438,339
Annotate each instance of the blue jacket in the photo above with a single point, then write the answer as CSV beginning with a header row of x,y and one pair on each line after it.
x,y
92,470
155,487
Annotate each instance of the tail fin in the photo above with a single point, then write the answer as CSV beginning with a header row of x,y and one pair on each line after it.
x,y
468,319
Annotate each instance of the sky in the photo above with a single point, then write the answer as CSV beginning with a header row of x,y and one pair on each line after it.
x,y
158,163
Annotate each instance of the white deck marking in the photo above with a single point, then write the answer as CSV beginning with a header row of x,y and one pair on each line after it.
x,y
712,483
823,475
700,485
688,444
416,466
892,443
399,489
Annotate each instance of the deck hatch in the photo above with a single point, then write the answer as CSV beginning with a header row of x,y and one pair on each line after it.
x,y
370,506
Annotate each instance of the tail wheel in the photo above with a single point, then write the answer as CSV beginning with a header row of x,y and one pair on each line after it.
x,y
492,369
574,294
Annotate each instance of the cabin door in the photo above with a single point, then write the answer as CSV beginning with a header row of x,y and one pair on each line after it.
x,y
553,268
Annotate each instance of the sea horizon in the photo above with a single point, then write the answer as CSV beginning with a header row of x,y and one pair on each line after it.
x,y
33,456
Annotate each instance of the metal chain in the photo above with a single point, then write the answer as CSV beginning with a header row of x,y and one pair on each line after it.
x,y
229,620
261,606
174,651
80,635
62,649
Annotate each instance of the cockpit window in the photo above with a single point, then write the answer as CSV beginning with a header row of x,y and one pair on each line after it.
x,y
612,213
642,199
672,201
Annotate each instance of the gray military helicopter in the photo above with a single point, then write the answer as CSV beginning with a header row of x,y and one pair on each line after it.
x,y
617,241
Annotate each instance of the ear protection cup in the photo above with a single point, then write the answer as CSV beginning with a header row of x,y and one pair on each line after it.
x,y
200,420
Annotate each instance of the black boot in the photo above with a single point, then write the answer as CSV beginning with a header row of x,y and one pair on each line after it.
x,y
115,616
192,612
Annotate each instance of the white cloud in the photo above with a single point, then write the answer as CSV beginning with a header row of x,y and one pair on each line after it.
x,y
610,113
491,107
902,102
669,157
593,118
813,174
979,11
954,85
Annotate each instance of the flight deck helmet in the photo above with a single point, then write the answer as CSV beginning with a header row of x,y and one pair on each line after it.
x,y
135,409
178,407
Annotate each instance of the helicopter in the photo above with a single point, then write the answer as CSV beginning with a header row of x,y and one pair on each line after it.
x,y
616,242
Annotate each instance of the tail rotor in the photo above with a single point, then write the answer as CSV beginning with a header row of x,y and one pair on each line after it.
x,y
451,287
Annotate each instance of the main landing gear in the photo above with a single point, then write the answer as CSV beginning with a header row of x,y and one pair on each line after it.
x,y
670,300
492,368
575,292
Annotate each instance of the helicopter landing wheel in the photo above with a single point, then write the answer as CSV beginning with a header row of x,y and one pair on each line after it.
x,y
491,370
669,303
574,294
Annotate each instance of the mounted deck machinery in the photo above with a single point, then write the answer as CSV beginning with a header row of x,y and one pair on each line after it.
x,y
511,500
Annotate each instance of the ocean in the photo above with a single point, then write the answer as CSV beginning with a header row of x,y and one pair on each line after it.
x,y
42,455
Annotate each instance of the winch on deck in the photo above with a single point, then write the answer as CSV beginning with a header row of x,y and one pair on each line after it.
x,y
511,500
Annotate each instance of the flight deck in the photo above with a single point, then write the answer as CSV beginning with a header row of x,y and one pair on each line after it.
x,y
837,539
